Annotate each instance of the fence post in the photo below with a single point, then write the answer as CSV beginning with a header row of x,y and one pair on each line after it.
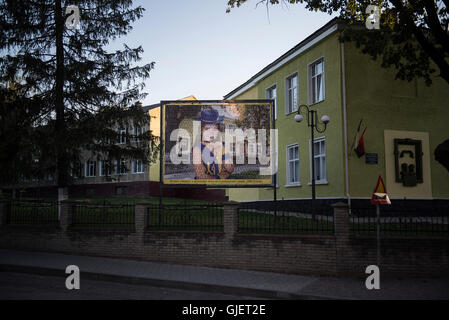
x,y
66,212
341,219
342,232
140,220
231,218
4,212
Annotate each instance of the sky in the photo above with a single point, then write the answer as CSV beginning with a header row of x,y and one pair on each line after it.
x,y
201,50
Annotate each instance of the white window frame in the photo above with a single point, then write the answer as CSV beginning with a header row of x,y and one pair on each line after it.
x,y
136,133
116,167
135,166
121,167
268,95
321,181
122,134
312,82
87,169
294,108
76,170
288,174
102,168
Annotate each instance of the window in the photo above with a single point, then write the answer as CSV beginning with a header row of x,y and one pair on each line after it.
x,y
293,165
271,94
122,169
316,81
76,170
138,166
122,136
91,169
291,94
319,160
137,133
105,168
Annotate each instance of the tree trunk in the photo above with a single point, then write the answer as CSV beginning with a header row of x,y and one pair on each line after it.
x,y
60,134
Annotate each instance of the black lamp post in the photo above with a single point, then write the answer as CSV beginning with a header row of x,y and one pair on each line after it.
x,y
312,122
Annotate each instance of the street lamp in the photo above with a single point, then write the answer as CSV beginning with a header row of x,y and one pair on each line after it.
x,y
313,123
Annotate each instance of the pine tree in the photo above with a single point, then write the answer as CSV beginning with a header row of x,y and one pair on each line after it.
x,y
82,91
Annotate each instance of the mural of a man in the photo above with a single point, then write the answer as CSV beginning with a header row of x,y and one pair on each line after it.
x,y
210,149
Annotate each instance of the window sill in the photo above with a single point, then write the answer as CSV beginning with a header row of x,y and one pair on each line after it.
x,y
315,103
319,182
292,185
293,112
270,188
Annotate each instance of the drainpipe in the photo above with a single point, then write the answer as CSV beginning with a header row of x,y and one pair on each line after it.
x,y
345,128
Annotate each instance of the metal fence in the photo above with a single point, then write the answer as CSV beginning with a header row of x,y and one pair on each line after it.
x,y
185,217
31,212
285,218
101,216
430,220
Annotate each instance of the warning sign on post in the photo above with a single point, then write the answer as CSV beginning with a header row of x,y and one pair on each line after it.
x,y
380,195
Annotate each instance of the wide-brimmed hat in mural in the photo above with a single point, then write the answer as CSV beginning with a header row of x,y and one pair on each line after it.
x,y
210,117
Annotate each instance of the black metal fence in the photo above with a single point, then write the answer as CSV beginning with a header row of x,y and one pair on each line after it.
x,y
31,212
185,217
285,218
101,216
429,220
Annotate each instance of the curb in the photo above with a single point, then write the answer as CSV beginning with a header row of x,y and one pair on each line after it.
x,y
173,284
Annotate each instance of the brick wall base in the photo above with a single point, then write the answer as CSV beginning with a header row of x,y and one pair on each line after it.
x,y
338,254
313,255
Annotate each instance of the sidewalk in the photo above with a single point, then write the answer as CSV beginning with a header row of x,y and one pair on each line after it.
x,y
238,282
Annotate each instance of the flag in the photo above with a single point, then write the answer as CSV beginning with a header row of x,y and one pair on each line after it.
x,y
356,135
360,149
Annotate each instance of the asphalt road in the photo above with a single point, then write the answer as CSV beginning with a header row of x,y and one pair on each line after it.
x,y
35,287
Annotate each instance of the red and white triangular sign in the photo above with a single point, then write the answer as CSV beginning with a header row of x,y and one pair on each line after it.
x,y
380,195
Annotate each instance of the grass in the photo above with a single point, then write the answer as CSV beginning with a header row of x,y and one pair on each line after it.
x,y
195,217
255,222
34,214
124,200
104,216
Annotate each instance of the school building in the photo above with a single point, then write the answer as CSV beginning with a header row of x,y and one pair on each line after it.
x,y
404,122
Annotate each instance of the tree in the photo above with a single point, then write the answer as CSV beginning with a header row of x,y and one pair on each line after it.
x,y
22,136
412,33
82,90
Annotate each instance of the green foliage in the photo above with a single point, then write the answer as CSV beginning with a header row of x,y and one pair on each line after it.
x,y
412,34
75,91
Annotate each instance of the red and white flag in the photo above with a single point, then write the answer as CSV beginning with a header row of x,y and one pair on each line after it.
x,y
360,149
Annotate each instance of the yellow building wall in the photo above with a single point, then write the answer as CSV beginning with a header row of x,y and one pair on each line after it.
x,y
155,127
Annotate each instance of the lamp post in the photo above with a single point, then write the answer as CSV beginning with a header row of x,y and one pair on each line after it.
x,y
313,123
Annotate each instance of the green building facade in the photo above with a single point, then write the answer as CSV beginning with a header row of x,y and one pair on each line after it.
x,y
404,121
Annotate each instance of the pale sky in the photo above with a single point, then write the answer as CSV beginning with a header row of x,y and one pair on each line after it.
x,y
201,50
